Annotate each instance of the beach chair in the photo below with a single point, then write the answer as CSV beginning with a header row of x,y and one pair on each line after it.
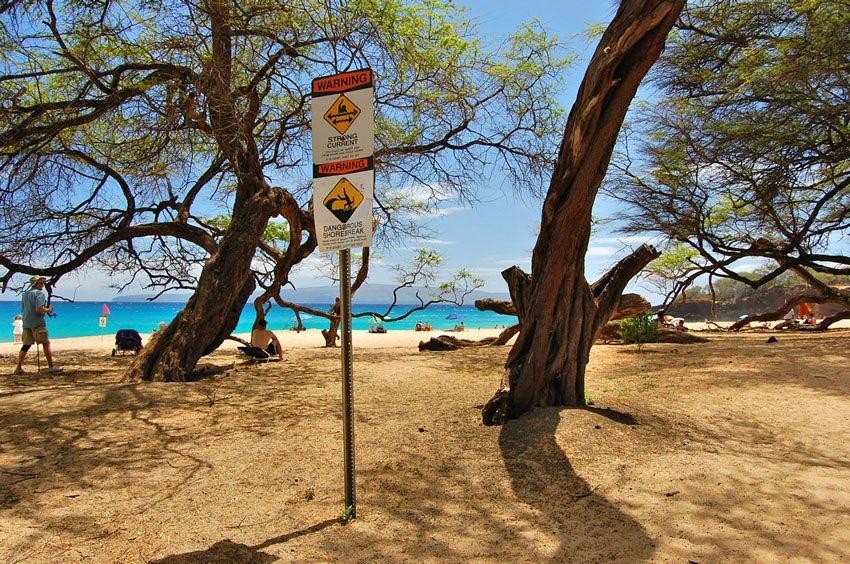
x,y
257,354
127,340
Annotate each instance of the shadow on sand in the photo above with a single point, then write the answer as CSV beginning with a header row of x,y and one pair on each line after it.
x,y
227,551
543,477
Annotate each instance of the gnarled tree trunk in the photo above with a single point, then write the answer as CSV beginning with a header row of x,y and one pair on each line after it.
x,y
559,312
213,311
225,282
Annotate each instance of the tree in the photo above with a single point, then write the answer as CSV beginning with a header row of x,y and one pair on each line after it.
x,y
559,312
746,156
159,139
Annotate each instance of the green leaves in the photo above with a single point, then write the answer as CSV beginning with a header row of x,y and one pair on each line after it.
x,y
639,330
745,153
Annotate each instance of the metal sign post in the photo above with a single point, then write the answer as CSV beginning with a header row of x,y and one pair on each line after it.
x,y
343,188
347,381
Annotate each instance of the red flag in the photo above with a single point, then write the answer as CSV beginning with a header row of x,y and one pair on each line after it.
x,y
106,310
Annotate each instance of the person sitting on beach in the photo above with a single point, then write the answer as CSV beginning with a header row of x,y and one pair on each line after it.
x,y
418,326
460,326
806,314
262,338
161,326
787,320
427,326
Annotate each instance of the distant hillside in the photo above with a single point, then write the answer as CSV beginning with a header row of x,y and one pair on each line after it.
x,y
758,301
374,294
367,294
180,298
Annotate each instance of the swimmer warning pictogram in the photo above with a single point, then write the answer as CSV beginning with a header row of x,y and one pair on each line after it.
x,y
343,127
343,200
342,114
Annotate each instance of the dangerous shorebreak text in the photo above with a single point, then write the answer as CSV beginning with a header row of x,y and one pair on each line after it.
x,y
343,230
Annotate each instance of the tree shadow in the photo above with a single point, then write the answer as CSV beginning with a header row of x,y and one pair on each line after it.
x,y
542,476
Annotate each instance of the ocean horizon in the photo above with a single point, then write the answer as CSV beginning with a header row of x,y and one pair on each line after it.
x,y
82,319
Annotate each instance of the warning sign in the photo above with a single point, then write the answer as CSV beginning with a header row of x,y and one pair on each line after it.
x,y
343,165
342,209
343,117
342,114
343,199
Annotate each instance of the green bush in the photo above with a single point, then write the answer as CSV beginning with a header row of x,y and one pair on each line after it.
x,y
639,330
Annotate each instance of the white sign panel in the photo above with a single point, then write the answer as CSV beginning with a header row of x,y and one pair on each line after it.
x,y
343,169
343,117
342,209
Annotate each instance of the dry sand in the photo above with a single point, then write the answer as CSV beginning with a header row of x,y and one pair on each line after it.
x,y
728,451
311,338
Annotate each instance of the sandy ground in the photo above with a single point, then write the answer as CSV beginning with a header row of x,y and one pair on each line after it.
x,y
310,338
728,451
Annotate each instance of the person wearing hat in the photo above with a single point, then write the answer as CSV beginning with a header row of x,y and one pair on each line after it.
x,y
34,307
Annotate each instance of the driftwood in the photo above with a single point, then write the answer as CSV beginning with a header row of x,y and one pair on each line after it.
x,y
449,343
611,332
499,306
680,337
631,305
776,315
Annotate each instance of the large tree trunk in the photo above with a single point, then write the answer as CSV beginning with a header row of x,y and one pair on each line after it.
x,y
560,315
214,309
225,282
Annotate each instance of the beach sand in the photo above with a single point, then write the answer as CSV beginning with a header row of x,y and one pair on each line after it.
x,y
310,338
731,450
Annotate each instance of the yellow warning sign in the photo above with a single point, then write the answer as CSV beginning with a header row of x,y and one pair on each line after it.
x,y
343,199
342,114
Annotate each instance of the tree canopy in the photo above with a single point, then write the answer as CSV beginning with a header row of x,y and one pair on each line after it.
x,y
108,121
159,138
746,155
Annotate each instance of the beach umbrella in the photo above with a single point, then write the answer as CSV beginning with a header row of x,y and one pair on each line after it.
x,y
454,316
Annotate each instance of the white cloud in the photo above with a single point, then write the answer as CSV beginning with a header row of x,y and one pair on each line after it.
x,y
485,270
514,261
438,242
629,240
433,197
602,251
442,212
747,266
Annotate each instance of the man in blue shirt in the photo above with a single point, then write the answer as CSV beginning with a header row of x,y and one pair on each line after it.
x,y
33,308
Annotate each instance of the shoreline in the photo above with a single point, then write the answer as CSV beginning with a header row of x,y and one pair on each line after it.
x,y
309,338
312,338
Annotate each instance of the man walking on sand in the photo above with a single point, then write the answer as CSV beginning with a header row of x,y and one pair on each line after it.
x,y
34,307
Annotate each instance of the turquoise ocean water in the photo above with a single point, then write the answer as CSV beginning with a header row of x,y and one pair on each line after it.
x,y
80,319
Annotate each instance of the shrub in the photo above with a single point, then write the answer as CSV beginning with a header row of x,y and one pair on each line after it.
x,y
639,330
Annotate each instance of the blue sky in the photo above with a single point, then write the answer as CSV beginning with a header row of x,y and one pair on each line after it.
x,y
502,230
